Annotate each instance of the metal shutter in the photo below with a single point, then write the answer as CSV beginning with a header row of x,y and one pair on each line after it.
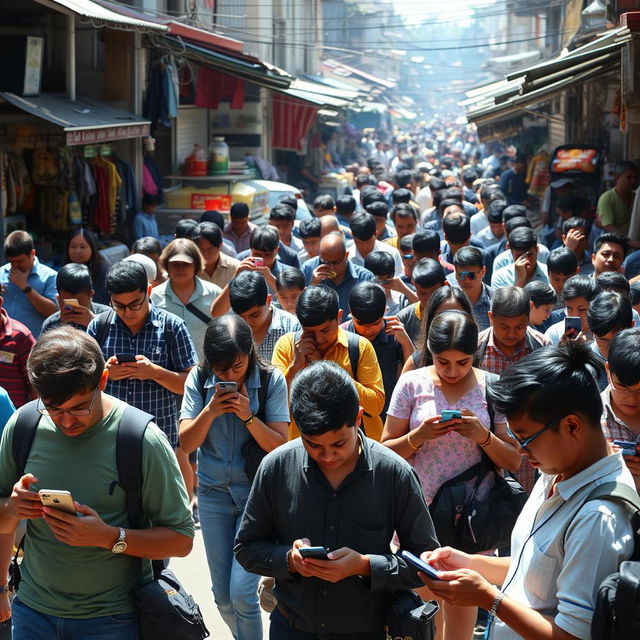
x,y
191,128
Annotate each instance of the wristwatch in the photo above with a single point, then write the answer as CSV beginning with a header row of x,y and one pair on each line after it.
x,y
26,290
120,545
248,421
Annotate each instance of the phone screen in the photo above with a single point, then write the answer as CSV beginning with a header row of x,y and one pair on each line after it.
x,y
420,564
319,553
573,322
126,357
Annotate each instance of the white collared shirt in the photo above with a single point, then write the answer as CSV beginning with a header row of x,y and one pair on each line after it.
x,y
562,549
356,258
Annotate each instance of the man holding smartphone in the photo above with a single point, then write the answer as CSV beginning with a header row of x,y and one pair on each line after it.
x,y
337,489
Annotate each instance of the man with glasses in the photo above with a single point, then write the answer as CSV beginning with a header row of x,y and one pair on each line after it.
x,y
469,272
332,269
562,546
79,573
148,351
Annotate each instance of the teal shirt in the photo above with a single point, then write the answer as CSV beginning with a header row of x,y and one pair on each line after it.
x,y
87,582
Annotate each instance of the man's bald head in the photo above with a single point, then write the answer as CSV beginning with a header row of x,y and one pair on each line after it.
x,y
329,224
333,242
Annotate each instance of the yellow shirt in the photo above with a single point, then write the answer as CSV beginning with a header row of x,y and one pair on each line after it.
x,y
392,241
368,384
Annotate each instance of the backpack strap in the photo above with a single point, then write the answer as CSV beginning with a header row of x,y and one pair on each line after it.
x,y
201,378
490,379
129,443
353,345
191,308
265,380
482,349
531,343
24,432
103,320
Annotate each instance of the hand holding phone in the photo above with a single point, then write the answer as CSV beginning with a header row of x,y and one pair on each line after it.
x,y
227,387
573,323
317,553
450,414
627,448
258,262
125,357
57,499
421,565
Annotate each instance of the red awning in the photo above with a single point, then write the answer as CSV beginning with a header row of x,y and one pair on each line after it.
x,y
291,121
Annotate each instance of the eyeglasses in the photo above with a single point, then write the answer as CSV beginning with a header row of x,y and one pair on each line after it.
x,y
134,306
57,413
334,263
624,390
467,275
527,441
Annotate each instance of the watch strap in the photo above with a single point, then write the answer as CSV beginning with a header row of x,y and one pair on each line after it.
x,y
249,420
27,289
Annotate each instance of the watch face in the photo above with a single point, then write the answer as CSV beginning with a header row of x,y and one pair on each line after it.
x,y
119,547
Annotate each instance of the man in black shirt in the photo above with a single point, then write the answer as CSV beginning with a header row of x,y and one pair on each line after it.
x,y
335,488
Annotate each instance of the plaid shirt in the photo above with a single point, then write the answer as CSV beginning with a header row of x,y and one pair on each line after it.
x,y
281,322
612,427
177,355
15,345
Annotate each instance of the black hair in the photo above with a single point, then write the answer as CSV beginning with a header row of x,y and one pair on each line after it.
x,y
226,339
611,238
363,226
625,165
405,244
540,293
215,217
18,243
468,257
377,209
404,177
623,356
613,281
516,223
208,231
576,222
469,176
572,203
454,193
438,299
239,210
634,293
284,212
428,272
562,260
426,241
316,305
510,302
522,239
609,311
265,238
513,211
247,290
185,228
371,195
362,180
445,203
149,198
494,213
580,287
290,278
289,199
346,205
381,264
147,245
324,202
403,210
367,302
74,278
437,184
453,330
456,228
127,276
550,383
309,228
96,261
323,398
401,196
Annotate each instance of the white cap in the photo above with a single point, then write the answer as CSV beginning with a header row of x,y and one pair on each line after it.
x,y
561,182
148,264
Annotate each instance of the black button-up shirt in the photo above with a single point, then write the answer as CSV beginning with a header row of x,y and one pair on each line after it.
x,y
291,499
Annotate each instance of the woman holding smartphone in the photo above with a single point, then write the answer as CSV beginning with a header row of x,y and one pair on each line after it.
x,y
438,444
221,412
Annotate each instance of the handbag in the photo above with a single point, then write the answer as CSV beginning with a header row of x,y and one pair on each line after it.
x,y
465,522
409,617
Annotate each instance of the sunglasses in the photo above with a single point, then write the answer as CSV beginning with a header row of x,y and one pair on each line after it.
x,y
467,275
408,256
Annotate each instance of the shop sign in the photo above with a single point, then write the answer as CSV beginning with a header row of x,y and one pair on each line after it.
x,y
582,160
211,203
107,134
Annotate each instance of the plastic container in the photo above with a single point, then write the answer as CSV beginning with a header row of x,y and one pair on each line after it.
x,y
219,157
195,164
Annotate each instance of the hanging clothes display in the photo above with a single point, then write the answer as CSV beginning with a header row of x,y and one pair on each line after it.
x,y
161,96
538,176
213,86
151,180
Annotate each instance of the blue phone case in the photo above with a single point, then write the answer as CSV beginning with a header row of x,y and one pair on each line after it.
x,y
421,565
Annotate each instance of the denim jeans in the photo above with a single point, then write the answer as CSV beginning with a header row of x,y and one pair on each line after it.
x,y
281,629
234,589
29,624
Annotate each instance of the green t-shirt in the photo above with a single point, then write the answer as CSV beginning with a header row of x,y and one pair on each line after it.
x,y
87,582
613,210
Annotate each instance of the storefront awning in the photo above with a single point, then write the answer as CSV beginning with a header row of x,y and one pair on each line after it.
x,y
236,64
84,121
347,71
106,14
316,94
541,82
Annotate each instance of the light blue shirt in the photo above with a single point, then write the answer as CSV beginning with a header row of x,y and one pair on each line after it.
x,y
41,279
506,257
6,408
220,461
506,277
145,224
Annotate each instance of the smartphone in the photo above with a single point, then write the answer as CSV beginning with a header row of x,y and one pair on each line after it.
x,y
228,387
71,302
448,414
60,500
125,357
421,565
317,553
258,262
573,322
628,448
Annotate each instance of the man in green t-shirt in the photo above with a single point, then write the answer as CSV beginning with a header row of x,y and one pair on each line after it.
x,y
614,206
79,571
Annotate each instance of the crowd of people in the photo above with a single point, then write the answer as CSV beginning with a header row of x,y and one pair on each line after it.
x,y
421,333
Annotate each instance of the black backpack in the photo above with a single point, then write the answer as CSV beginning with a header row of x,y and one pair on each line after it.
x,y
165,609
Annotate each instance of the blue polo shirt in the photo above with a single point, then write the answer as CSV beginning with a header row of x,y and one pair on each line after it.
x,y
41,279
353,275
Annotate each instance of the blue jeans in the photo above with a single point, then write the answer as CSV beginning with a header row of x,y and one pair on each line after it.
x,y
29,624
234,589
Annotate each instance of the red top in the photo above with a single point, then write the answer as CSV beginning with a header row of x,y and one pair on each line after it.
x,y
15,345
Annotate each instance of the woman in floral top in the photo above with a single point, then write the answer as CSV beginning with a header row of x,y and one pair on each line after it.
x,y
439,450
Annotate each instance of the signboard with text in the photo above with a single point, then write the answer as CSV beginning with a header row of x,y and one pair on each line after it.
x,y
106,134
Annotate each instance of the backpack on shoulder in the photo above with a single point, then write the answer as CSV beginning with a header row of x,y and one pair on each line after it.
x,y
165,609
